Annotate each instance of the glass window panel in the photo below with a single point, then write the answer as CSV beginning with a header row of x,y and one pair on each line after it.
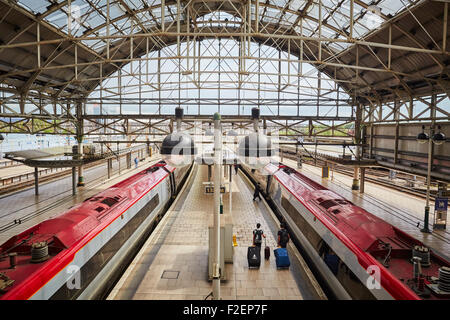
x,y
297,4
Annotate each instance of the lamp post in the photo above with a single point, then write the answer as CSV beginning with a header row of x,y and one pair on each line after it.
x,y
232,134
217,178
255,149
438,139
178,149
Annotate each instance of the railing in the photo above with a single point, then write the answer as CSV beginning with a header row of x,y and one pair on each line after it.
x,y
8,163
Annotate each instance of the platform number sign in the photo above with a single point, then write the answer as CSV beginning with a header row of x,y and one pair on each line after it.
x,y
210,189
441,204
440,213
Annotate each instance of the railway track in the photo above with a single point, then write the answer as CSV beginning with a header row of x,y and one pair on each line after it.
x,y
372,175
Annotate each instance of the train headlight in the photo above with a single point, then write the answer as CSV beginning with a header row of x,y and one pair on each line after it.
x,y
255,150
178,149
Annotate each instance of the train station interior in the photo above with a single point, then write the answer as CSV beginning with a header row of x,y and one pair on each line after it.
x,y
224,150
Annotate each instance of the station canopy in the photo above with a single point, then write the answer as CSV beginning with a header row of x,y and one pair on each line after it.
x,y
92,18
377,49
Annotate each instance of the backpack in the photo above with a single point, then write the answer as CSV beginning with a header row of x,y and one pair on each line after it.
x,y
284,236
258,235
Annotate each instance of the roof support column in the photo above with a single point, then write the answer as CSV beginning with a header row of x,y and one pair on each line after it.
x,y
444,31
320,31
38,39
279,82
79,137
36,181
362,173
371,141
108,40
358,119
396,117
163,15
74,181
389,49
109,167
351,19
257,16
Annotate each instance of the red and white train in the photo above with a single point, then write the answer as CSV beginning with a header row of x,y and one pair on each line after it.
x,y
357,254
78,254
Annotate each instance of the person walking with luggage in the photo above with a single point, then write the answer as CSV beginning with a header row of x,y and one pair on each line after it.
x,y
258,234
281,254
256,193
283,236
254,252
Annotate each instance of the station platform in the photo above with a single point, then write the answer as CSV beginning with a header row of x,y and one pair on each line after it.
x,y
173,263
56,196
402,210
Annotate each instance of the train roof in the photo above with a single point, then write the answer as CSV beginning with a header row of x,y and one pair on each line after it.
x,y
364,233
68,232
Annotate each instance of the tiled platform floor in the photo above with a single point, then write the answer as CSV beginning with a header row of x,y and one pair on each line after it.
x,y
179,246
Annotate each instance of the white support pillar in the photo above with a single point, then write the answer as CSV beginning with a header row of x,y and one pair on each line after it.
x,y
230,191
36,181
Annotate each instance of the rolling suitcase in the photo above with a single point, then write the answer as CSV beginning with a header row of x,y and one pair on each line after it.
x,y
266,251
282,258
254,257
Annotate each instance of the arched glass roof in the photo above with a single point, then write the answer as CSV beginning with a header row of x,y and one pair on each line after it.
x,y
377,50
279,87
90,17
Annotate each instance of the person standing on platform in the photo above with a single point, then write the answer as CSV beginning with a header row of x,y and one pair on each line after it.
x,y
258,234
256,193
283,236
136,162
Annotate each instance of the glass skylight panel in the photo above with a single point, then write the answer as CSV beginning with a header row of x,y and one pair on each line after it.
x,y
314,11
309,27
359,30
393,6
144,17
338,20
327,32
95,20
35,6
336,11
279,3
57,18
114,11
291,18
272,15
296,5
338,46
94,44
134,4
171,9
152,3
